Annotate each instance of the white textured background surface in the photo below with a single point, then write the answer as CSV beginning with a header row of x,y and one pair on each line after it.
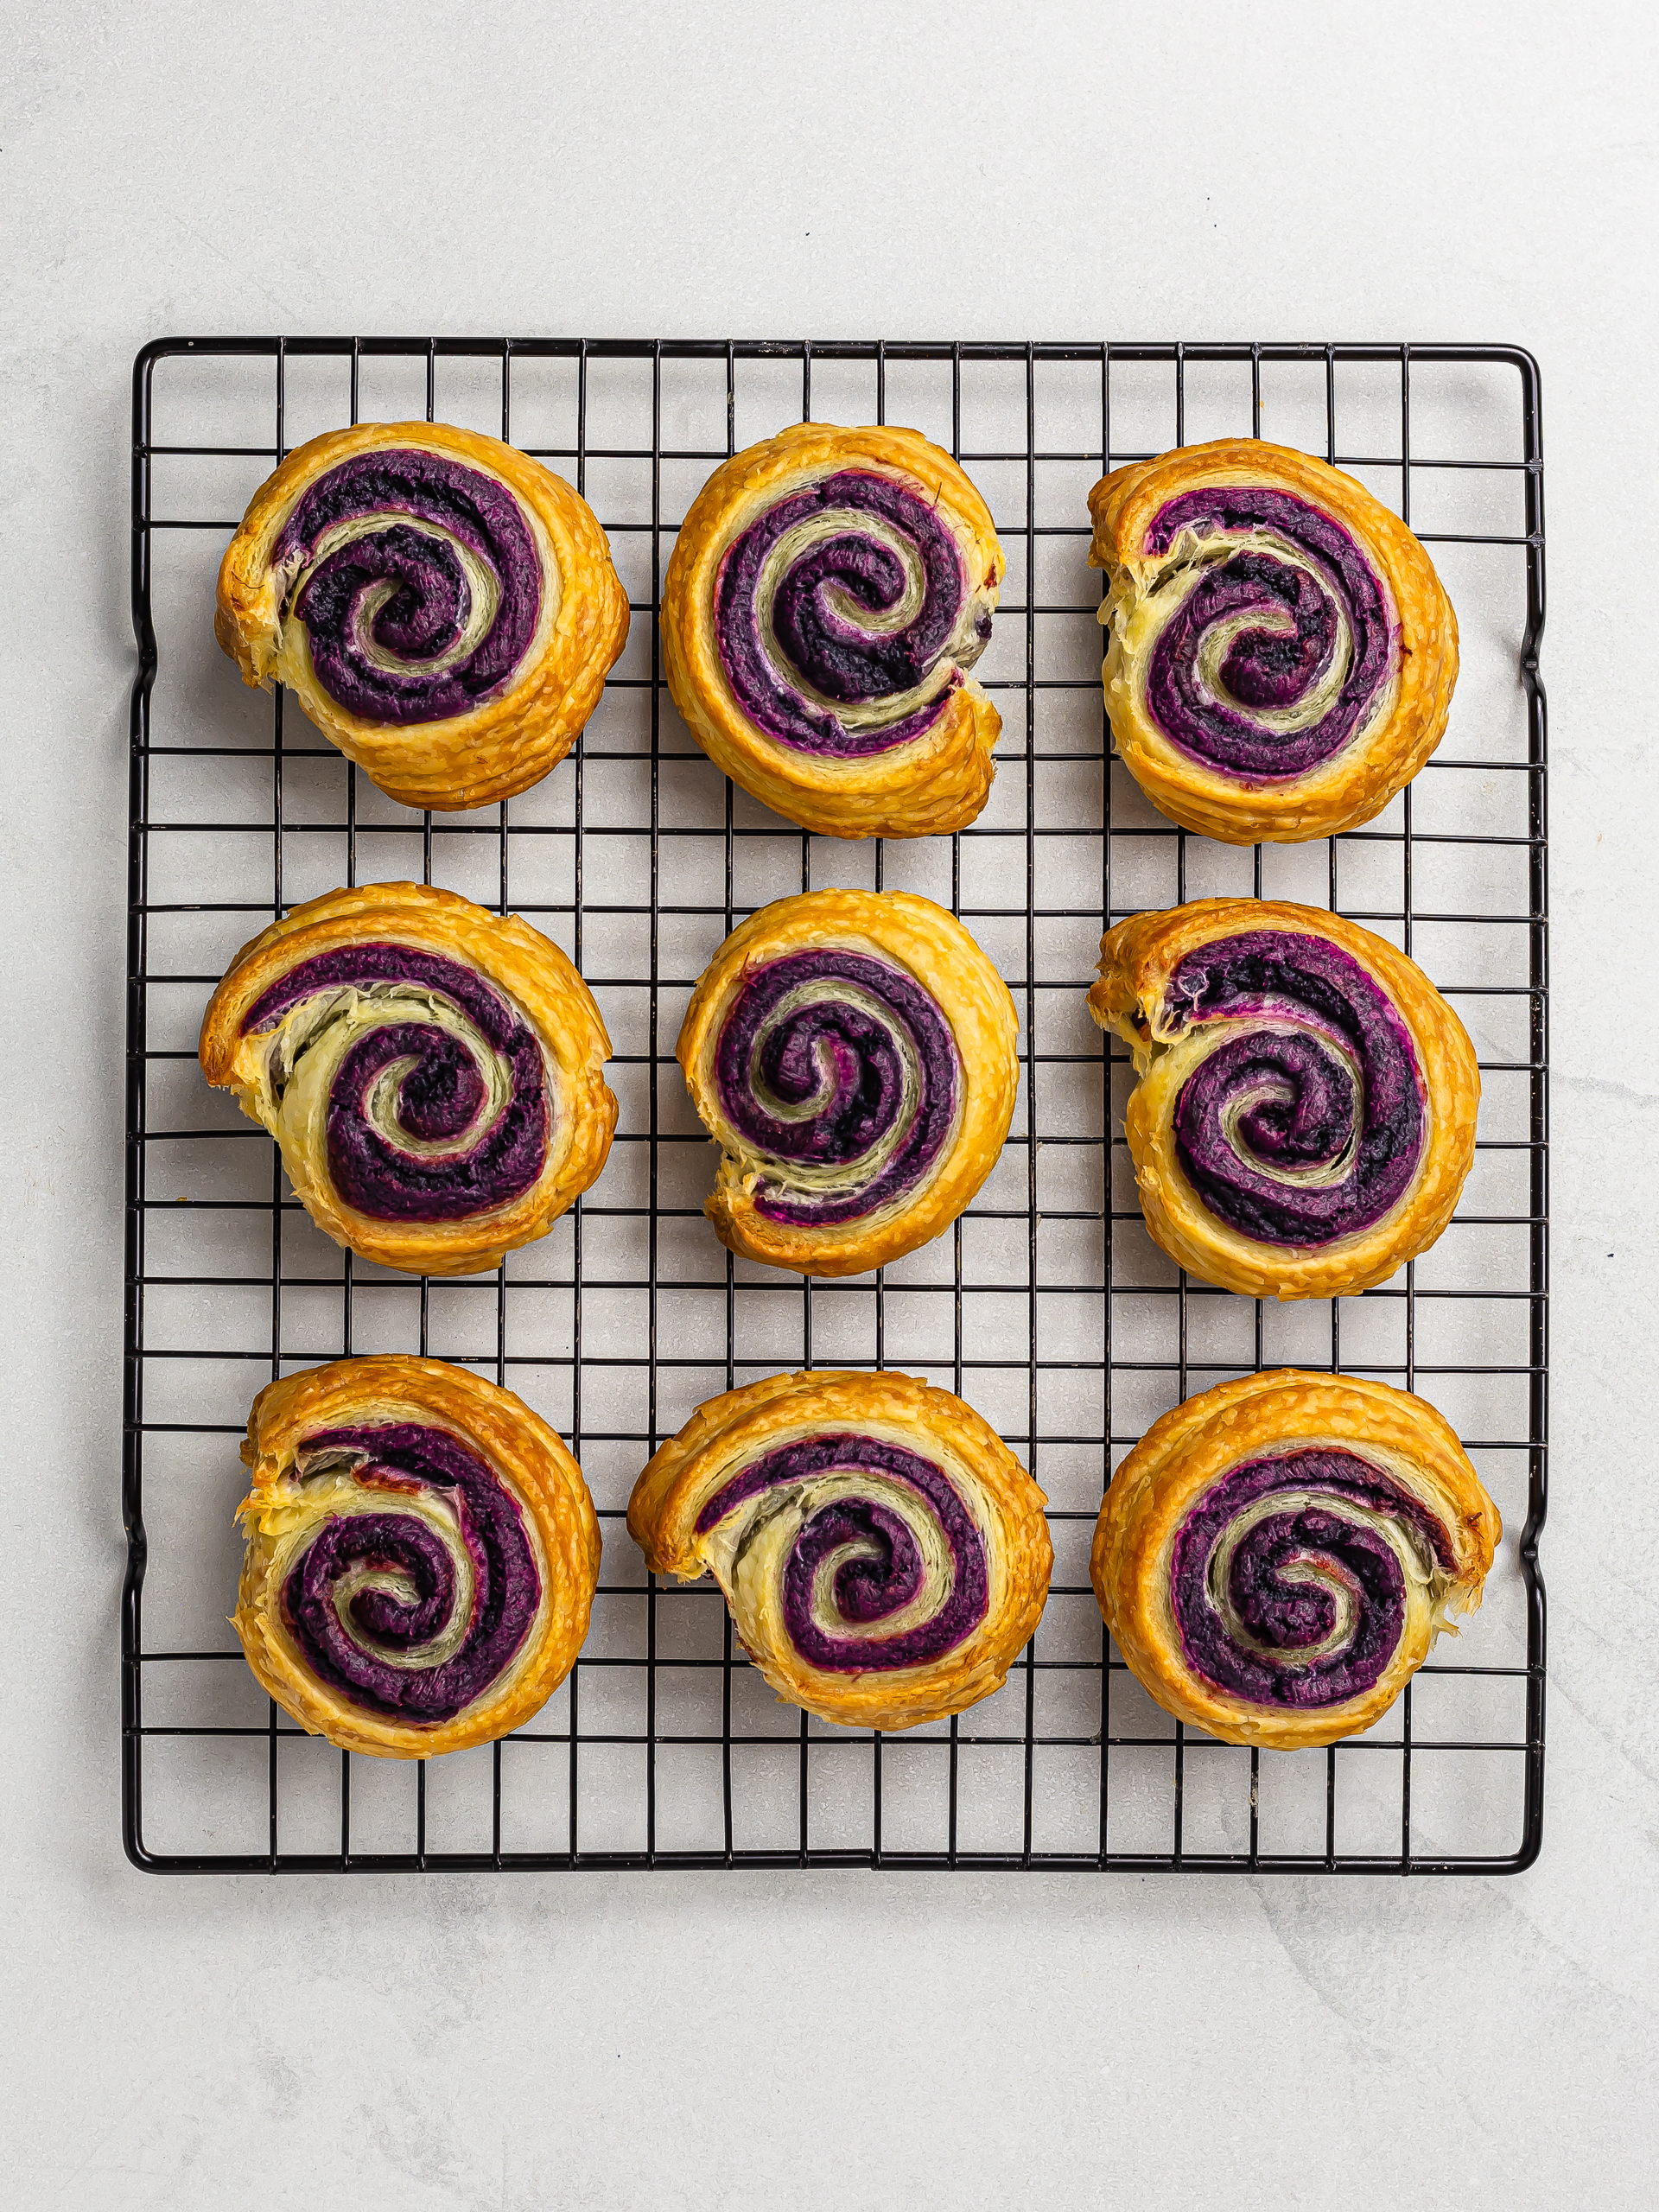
x,y
1451,171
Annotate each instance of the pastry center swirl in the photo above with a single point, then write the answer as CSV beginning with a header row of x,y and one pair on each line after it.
x,y
869,1549
418,581
1280,643
843,616
1289,1580
1304,1120
433,1088
417,1586
841,1073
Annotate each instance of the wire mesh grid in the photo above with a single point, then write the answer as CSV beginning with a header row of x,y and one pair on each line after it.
x,y
1046,1306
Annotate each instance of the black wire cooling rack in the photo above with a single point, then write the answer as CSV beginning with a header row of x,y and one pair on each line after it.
x,y
1047,1306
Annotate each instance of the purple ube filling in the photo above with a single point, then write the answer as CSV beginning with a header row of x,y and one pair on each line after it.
x,y
870,1589
1269,669
836,1053
507,1586
822,647
1306,1120
1288,1617
430,600
438,1098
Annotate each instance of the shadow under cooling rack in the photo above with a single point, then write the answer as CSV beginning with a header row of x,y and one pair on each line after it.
x,y
1046,1306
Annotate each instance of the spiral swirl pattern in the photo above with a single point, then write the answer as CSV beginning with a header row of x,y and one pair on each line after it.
x,y
884,1556
854,1056
422,1554
417,580
1304,1113
437,1097
841,1073
1304,1122
1289,1579
1276,643
878,1562
844,616
414,1585
1276,1556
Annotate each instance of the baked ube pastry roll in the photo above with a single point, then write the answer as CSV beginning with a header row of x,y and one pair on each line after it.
x,y
827,594
853,1055
432,1072
884,1555
1305,1113
422,1556
442,606
1275,1557
1280,653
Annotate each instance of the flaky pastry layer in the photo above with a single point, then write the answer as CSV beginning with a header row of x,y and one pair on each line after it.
x,y
926,943
1137,960
507,952
730,1433
540,1474
1356,783
926,786
1191,1449
508,742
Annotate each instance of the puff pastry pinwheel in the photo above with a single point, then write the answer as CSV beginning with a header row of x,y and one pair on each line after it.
x,y
827,594
884,1555
443,607
432,1072
853,1054
422,1556
1275,1557
1305,1115
1281,653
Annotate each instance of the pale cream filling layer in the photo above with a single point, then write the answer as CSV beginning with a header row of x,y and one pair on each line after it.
x,y
960,650
298,1066
483,589
329,1497
284,652
842,1175
283,1519
1421,1573
1275,1091
749,1550
1139,606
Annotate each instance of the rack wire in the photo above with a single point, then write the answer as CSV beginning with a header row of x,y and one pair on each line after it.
x,y
1047,1305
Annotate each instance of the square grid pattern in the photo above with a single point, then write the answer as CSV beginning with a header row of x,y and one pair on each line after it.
x,y
1047,1306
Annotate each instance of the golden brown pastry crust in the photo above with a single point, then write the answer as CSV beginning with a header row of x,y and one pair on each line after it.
x,y
1137,959
928,944
1356,783
519,961
933,784
746,1549
1258,1416
284,1510
507,743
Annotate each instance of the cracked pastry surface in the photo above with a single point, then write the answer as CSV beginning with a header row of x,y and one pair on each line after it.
x,y
1276,1556
1280,653
853,1055
422,1554
443,607
432,1072
884,1556
828,592
1304,1115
